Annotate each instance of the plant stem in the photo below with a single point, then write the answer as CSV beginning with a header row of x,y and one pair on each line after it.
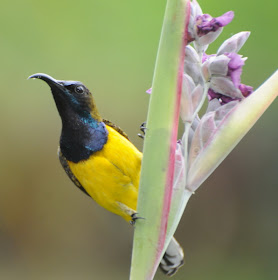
x,y
159,146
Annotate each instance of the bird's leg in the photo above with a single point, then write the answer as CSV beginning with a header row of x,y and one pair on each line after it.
x,y
130,212
143,128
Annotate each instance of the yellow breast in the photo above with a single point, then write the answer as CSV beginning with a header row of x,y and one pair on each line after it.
x,y
111,175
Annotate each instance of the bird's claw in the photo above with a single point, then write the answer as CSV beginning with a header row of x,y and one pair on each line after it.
x,y
134,217
143,128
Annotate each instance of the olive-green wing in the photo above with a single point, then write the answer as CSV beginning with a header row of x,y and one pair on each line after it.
x,y
118,129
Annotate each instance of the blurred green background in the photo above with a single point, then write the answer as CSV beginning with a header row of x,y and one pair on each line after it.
x,y
48,228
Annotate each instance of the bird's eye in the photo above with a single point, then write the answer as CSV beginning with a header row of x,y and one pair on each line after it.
x,y
79,89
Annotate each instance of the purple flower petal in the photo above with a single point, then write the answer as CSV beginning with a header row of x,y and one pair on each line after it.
x,y
206,23
223,99
236,60
225,18
235,67
149,91
235,76
245,90
212,94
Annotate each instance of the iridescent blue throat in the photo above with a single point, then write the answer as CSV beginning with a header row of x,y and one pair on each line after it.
x,y
81,137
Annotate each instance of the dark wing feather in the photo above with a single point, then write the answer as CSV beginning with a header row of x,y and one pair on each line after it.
x,y
66,167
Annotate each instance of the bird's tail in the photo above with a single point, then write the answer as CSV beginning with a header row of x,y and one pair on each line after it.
x,y
173,258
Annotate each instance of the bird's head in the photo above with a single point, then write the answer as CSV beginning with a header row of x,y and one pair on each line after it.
x,y
72,98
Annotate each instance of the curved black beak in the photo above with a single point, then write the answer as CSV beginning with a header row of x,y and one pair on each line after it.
x,y
48,79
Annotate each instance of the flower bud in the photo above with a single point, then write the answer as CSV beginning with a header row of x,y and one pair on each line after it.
x,y
192,64
233,44
225,86
219,65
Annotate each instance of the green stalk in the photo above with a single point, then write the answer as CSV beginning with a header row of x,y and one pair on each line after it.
x,y
159,145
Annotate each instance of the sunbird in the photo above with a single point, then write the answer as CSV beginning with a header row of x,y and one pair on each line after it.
x,y
99,158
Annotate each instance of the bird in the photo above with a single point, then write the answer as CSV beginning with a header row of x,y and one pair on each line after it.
x,y
99,158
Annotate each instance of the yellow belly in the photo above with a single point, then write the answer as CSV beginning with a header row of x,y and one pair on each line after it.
x,y
111,176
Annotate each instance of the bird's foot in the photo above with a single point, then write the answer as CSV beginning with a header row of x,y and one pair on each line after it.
x,y
134,217
143,128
